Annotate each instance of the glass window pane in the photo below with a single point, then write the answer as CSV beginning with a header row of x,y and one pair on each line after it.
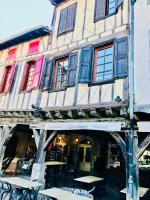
x,y
100,68
99,77
109,51
108,59
100,53
108,67
100,61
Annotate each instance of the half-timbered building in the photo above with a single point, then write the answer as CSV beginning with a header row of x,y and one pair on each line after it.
x,y
70,87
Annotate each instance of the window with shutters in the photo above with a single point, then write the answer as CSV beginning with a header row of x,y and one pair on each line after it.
x,y
60,73
6,79
104,8
103,63
67,19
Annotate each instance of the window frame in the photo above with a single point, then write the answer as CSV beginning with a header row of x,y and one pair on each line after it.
x,y
27,76
6,72
96,48
57,60
71,30
96,19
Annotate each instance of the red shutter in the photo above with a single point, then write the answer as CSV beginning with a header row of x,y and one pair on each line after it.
x,y
10,77
3,80
33,47
24,77
37,74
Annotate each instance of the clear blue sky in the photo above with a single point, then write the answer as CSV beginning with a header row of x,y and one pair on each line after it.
x,y
20,15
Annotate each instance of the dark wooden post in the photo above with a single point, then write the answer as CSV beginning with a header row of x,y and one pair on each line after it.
x,y
132,169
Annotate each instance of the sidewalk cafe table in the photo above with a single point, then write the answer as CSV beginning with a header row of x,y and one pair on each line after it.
x,y
60,194
89,179
88,182
54,163
22,185
142,191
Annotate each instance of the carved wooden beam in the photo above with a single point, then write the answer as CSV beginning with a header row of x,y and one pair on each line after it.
x,y
59,115
53,134
49,115
124,112
120,142
70,114
83,114
95,113
110,113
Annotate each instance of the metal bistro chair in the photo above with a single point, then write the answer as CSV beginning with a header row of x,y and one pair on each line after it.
x,y
5,190
18,193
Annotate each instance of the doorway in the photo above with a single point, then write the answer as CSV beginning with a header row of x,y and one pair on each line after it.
x,y
85,151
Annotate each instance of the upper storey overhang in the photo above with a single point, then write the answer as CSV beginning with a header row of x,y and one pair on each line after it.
x,y
33,33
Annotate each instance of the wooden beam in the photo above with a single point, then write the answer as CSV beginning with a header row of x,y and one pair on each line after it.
x,y
58,115
83,114
95,113
36,137
40,151
120,142
54,133
143,146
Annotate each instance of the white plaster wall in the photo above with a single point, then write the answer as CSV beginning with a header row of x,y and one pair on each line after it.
x,y
142,52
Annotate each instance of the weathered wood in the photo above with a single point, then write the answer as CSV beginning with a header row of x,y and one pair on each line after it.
x,y
53,134
143,146
132,169
59,115
120,142
40,152
36,137
95,113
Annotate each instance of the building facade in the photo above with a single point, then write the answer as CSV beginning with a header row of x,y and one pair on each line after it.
x,y
71,87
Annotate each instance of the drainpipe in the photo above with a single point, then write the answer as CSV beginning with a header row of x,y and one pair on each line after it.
x,y
132,169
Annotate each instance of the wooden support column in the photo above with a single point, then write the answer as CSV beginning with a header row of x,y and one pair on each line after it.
x,y
132,169
38,170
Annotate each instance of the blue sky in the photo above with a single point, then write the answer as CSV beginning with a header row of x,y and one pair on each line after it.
x,y
20,15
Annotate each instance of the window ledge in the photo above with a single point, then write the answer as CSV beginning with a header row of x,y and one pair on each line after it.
x,y
105,17
102,82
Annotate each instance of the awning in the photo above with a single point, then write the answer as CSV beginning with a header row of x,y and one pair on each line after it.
x,y
101,126
143,126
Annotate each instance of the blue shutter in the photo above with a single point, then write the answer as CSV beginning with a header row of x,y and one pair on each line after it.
x,y
85,64
48,74
121,58
62,21
70,22
72,69
100,9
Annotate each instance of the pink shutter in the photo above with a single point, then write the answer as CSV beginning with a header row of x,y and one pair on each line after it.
x,y
10,78
3,81
37,72
33,47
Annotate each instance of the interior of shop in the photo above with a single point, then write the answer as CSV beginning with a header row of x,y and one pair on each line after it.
x,y
20,152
